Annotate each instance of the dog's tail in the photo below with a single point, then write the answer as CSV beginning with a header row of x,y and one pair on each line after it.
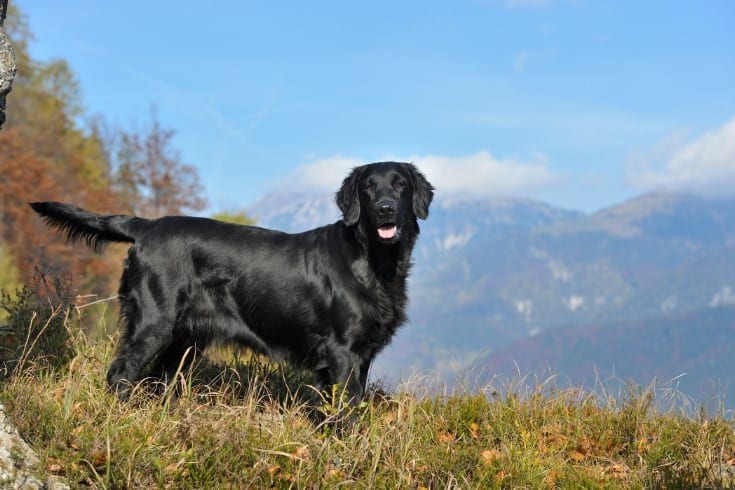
x,y
95,230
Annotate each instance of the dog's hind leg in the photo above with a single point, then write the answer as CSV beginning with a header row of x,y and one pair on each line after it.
x,y
177,357
139,347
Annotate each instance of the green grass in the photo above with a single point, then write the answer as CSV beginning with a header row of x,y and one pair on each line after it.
x,y
244,424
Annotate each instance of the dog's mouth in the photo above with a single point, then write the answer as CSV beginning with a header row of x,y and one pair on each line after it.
x,y
388,231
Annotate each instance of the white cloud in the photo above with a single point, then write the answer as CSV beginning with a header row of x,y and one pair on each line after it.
x,y
477,175
324,175
520,61
559,271
525,308
704,166
725,296
574,302
669,304
483,175
457,240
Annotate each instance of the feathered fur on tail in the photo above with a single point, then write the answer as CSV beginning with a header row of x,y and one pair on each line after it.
x,y
93,229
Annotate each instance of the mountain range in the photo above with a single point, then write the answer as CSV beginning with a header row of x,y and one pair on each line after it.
x,y
515,287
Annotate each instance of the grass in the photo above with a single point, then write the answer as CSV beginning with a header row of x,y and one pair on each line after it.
x,y
244,424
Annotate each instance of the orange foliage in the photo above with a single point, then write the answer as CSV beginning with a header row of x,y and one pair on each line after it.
x,y
46,156
26,176
152,177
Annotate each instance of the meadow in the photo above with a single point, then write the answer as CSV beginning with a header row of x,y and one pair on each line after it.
x,y
239,421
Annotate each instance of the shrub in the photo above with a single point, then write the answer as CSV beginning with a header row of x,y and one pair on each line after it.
x,y
36,330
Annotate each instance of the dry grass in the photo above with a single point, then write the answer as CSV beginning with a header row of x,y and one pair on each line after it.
x,y
244,425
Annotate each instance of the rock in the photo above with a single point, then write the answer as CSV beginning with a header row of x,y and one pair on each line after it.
x,y
18,461
8,65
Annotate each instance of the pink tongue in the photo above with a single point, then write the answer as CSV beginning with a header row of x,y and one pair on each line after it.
x,y
387,233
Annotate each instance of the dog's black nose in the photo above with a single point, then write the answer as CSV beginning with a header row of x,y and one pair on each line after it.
x,y
386,208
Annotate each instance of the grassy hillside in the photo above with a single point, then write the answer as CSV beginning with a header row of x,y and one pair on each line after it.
x,y
244,425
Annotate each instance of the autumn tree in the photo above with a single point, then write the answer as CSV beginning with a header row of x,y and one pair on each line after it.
x,y
150,176
47,156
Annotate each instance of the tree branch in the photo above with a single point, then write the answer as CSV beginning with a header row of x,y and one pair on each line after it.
x,y
7,62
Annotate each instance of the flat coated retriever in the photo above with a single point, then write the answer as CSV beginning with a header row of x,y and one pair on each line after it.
x,y
328,299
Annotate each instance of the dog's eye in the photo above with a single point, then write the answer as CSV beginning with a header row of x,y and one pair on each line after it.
x,y
399,184
369,186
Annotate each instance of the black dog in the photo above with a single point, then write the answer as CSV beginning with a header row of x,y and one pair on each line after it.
x,y
328,299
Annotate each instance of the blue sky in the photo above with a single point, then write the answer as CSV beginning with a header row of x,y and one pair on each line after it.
x,y
578,103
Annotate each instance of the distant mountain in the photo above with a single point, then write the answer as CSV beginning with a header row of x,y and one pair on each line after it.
x,y
492,274
455,226
672,216
624,263
294,212
452,225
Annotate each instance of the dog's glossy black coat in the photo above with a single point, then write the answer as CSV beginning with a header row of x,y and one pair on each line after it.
x,y
328,299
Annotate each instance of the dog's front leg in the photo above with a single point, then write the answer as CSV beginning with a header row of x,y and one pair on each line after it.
x,y
343,383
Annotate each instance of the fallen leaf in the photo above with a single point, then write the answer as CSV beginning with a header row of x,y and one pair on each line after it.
x,y
584,445
445,437
475,430
551,430
173,468
55,467
552,438
98,458
490,455
302,452
643,446
525,437
617,470
59,393
550,479
577,456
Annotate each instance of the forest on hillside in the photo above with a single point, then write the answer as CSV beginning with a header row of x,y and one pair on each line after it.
x,y
54,148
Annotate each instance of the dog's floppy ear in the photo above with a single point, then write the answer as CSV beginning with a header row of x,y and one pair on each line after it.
x,y
423,192
348,197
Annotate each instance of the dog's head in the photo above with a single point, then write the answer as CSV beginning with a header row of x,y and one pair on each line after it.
x,y
386,196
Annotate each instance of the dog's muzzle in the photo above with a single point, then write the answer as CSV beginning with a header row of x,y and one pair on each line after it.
x,y
387,227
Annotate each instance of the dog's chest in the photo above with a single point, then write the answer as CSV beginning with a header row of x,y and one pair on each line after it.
x,y
382,310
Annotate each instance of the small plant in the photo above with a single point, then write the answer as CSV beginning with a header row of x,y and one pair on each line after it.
x,y
36,326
